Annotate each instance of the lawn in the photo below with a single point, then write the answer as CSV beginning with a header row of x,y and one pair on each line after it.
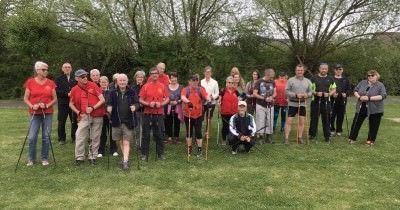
x,y
317,176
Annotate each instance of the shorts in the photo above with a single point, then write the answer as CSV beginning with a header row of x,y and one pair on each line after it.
x,y
293,110
122,133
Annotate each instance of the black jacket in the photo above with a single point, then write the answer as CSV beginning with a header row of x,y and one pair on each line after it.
x,y
64,87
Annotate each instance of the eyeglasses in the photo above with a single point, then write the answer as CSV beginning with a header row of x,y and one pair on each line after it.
x,y
44,69
83,76
153,73
371,75
194,80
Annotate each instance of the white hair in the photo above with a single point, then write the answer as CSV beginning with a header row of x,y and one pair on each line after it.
x,y
40,65
94,71
122,76
103,78
115,76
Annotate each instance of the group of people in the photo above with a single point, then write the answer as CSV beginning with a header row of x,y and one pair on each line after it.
x,y
100,110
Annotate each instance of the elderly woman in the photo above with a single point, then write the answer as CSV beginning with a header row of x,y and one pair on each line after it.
x,y
139,80
370,94
173,112
106,129
40,96
228,102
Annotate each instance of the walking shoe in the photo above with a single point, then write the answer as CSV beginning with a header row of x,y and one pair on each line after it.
x,y
351,141
92,162
62,142
369,143
199,153
99,155
144,158
78,162
161,157
234,152
30,163
115,154
45,162
332,133
300,140
125,165
339,134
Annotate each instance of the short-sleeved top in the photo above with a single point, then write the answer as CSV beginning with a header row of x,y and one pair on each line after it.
x,y
156,92
175,95
40,93
322,84
196,100
280,99
163,78
265,89
87,95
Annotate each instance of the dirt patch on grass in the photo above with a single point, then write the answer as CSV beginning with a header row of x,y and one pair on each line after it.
x,y
394,119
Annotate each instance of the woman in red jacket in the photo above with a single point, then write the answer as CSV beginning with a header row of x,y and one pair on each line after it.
x,y
228,102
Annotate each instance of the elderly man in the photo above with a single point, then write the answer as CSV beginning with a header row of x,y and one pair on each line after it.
x,y
242,129
162,77
64,84
87,101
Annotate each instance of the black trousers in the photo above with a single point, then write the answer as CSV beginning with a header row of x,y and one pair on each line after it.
x,y
225,125
106,131
172,124
319,107
337,114
153,122
63,112
234,141
374,120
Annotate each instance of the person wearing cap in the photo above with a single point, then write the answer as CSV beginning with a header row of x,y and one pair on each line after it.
x,y
121,104
339,100
40,96
192,97
265,92
87,101
153,96
280,100
162,77
298,90
242,129
64,84
323,86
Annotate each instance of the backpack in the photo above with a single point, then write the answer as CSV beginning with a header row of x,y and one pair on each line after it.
x,y
198,92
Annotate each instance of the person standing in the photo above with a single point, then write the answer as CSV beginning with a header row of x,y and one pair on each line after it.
x,y
242,129
323,87
138,82
338,101
64,84
370,94
162,77
106,129
193,97
153,96
121,104
298,90
265,92
212,89
280,100
228,102
40,96
87,101
95,76
173,112
250,100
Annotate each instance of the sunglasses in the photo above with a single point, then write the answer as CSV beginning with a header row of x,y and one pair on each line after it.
x,y
371,75
83,76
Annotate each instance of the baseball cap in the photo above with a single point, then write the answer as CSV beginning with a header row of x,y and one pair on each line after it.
x,y
242,103
80,72
338,66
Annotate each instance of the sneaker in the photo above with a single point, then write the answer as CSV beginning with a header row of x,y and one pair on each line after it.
x,y
144,158
332,133
78,162
61,142
125,165
45,162
351,141
161,157
234,152
369,143
99,155
339,134
115,154
199,153
30,163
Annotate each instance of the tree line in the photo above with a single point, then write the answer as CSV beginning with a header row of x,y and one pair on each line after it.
x,y
127,35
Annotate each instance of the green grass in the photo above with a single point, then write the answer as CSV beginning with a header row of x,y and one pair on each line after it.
x,y
335,176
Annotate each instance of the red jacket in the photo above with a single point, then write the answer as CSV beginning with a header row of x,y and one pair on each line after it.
x,y
229,101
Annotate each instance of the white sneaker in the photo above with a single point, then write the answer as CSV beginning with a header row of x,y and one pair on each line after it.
x,y
339,134
332,133
99,155
45,163
30,163
115,154
234,152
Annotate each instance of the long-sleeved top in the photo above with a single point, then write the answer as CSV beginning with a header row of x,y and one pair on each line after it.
x,y
375,89
297,85
212,89
64,86
242,125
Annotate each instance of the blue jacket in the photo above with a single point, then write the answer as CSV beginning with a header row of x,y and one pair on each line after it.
x,y
132,100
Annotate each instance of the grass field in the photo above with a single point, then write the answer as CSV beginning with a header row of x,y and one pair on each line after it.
x,y
317,176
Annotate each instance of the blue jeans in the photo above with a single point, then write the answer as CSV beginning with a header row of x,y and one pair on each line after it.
x,y
37,121
283,115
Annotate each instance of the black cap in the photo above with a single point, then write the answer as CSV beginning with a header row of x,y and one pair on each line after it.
x,y
194,77
338,66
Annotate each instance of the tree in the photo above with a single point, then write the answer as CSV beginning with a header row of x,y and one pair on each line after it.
x,y
312,29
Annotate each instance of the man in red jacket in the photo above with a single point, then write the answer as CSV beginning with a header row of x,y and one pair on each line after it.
x,y
87,102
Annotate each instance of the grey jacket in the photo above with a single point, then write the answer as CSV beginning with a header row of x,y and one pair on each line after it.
x,y
375,89
295,85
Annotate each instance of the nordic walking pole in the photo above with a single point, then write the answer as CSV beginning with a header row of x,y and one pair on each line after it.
x,y
109,143
319,111
308,132
208,130
173,121
48,134
189,138
298,123
23,145
218,126
136,140
327,114
347,121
